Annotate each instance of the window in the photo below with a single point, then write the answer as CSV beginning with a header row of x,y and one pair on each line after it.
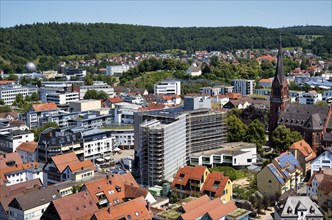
x,y
270,181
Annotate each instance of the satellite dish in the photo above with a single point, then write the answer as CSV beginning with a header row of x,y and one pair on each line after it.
x,y
31,67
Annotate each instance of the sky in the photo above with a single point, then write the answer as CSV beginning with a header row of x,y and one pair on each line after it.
x,y
169,13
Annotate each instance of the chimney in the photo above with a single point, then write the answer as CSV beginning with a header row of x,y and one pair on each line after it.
x,y
148,206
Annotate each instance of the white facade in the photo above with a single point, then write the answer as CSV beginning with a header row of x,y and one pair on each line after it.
x,y
263,91
8,93
212,91
168,87
327,96
10,140
310,98
124,138
322,161
28,157
60,98
24,175
237,157
99,86
243,86
34,213
112,70
313,189
98,148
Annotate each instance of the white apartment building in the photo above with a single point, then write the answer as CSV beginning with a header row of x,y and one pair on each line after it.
x,y
327,96
168,87
99,86
216,90
10,140
113,70
323,161
97,144
60,98
8,93
124,138
244,86
237,154
22,175
310,98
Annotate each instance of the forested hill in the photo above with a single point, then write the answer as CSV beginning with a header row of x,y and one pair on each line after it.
x,y
30,41
308,30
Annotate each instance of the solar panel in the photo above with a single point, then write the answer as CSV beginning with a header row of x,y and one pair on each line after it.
x,y
275,173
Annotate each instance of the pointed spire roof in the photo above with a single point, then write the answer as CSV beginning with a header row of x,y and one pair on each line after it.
x,y
279,75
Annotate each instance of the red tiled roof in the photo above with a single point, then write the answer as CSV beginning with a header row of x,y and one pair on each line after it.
x,y
326,184
223,210
115,99
211,179
44,106
189,172
270,58
10,157
135,208
29,147
265,81
62,161
4,82
16,167
201,210
76,206
305,149
196,203
81,165
153,106
232,95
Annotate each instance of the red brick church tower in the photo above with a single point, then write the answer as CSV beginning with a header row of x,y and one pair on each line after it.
x,y
279,95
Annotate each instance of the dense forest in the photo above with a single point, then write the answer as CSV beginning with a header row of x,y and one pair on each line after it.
x,y
30,41
47,41
308,30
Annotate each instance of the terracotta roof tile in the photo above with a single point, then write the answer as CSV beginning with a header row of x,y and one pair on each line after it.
x,y
4,82
153,106
215,182
133,209
115,100
81,165
188,172
326,184
196,203
223,210
44,106
265,81
29,147
75,206
10,157
305,149
62,161
15,168
201,210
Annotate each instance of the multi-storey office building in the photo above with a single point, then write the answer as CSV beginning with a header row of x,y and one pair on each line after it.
x,y
99,86
168,87
216,90
60,98
8,93
116,70
244,86
203,129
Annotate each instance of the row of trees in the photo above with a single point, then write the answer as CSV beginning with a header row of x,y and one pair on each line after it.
x,y
282,137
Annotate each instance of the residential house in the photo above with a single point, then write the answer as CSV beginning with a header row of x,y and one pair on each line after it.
x,y
323,161
67,166
32,205
240,103
14,171
265,83
325,196
28,151
190,179
194,180
11,116
217,185
205,208
303,153
8,193
34,117
283,174
297,207
315,180
310,98
244,86
194,70
110,102
75,206
10,140
133,209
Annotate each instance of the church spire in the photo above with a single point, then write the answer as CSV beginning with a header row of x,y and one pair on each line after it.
x,y
279,74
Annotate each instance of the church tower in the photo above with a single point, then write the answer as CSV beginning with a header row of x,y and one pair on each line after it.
x,y
279,94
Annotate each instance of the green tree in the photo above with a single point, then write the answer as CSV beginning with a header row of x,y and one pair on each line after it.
x,y
236,129
91,94
2,102
102,95
283,137
256,133
34,97
12,77
88,80
321,103
5,108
